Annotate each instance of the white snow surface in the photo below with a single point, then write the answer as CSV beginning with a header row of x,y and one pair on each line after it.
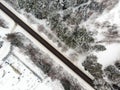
x,y
109,56
3,32
9,22
12,80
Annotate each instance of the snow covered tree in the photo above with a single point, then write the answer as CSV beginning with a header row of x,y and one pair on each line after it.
x,y
81,38
95,69
21,3
98,48
117,64
68,85
39,8
3,23
78,37
116,87
54,20
15,39
113,74
101,84
90,64
55,5
1,43
78,2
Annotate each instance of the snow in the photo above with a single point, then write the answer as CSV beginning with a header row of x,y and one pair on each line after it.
x,y
113,50
55,85
14,81
4,50
3,32
113,16
110,55
27,81
9,21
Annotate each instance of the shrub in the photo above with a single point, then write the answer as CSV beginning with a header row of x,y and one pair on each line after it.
x,y
66,84
90,64
112,73
99,48
117,64
15,39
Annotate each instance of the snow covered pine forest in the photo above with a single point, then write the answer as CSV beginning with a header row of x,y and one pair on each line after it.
x,y
85,31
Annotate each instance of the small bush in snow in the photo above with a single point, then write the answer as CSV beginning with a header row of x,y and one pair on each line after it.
x,y
117,64
99,48
91,65
14,39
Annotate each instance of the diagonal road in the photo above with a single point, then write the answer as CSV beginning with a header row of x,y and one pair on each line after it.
x,y
47,45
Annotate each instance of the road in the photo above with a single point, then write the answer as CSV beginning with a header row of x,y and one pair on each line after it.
x,y
47,45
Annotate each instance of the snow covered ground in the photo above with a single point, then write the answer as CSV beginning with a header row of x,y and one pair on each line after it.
x,y
3,32
18,72
110,56
16,76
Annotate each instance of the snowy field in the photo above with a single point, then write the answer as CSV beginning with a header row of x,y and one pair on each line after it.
x,y
19,72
